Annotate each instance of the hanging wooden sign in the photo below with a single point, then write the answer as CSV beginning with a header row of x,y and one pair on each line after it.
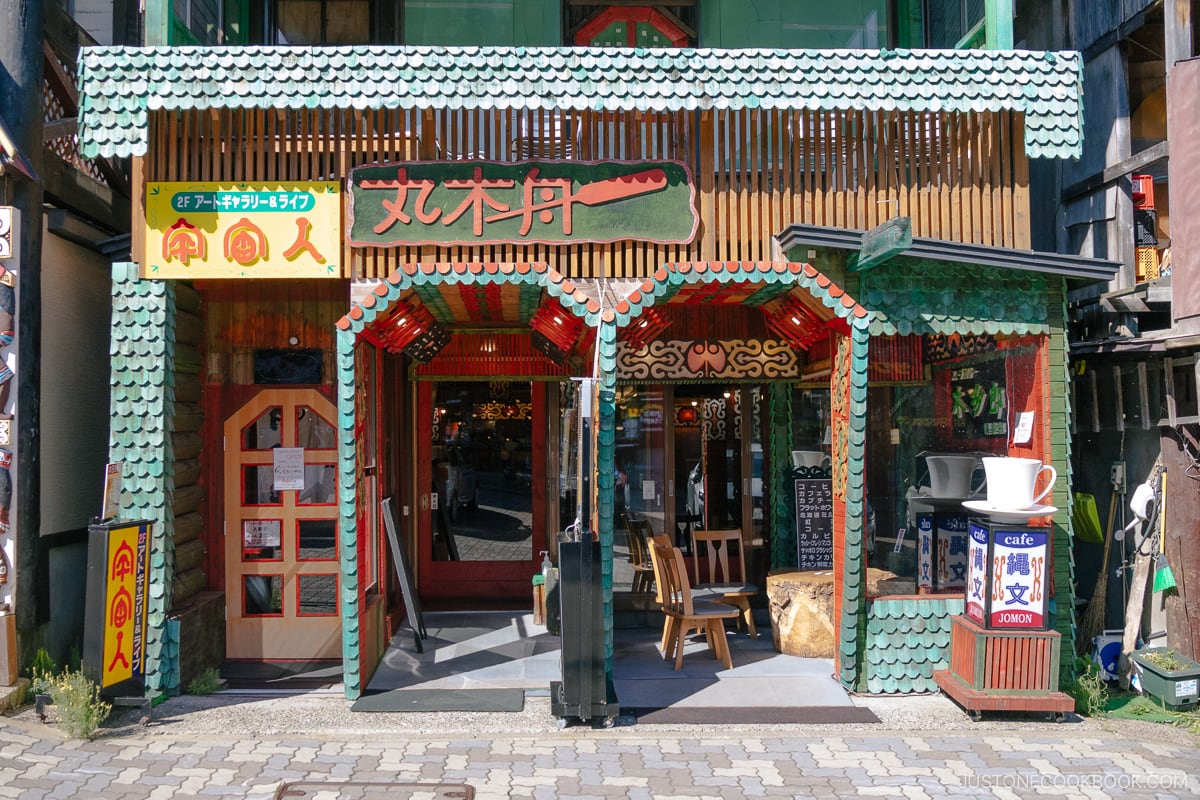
x,y
243,230
548,202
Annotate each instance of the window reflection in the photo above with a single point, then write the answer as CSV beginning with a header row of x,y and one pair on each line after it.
x,y
265,431
262,595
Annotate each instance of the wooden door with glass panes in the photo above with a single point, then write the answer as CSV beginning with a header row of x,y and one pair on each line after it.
x,y
281,528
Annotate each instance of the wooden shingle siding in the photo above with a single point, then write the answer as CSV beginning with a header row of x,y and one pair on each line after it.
x,y
961,177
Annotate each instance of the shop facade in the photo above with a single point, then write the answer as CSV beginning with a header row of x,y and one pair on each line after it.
x,y
709,272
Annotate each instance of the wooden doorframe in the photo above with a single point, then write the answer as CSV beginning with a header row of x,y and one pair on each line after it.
x,y
483,579
288,635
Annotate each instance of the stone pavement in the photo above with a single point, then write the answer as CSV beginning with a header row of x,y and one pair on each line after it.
x,y
248,747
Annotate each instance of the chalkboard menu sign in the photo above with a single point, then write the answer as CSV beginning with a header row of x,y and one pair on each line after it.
x,y
814,524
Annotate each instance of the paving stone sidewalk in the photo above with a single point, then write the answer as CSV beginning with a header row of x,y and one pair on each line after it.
x,y
249,747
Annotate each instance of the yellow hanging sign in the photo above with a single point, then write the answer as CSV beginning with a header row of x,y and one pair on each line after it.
x,y
243,230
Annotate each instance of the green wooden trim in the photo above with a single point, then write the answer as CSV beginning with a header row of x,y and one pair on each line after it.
x,y
158,16
1059,413
783,509
974,38
606,453
142,409
348,513
853,641
998,21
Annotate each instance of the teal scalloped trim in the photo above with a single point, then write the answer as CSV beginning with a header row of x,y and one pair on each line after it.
x,y
142,407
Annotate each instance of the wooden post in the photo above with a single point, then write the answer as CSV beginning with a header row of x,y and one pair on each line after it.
x,y
21,26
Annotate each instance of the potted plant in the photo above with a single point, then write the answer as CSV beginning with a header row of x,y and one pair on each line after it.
x,y
1170,677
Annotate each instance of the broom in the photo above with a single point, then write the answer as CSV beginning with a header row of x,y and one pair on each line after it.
x,y
1163,577
1092,622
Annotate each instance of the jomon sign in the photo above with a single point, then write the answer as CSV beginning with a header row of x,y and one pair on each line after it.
x,y
543,202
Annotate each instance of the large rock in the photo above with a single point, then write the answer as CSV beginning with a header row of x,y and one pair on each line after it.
x,y
801,606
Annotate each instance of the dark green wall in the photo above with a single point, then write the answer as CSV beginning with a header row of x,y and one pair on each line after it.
x,y
483,22
794,23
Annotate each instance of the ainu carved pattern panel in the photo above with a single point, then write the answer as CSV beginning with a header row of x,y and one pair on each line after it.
x,y
708,359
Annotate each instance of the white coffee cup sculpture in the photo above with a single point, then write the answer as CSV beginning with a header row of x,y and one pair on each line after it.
x,y
810,458
1011,481
950,474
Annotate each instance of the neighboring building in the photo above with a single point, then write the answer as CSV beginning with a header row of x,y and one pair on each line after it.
x,y
55,315
1134,341
690,235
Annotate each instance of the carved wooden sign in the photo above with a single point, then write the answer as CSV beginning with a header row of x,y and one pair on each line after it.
x,y
726,359
549,202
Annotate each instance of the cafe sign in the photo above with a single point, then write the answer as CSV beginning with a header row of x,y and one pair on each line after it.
x,y
538,202
243,230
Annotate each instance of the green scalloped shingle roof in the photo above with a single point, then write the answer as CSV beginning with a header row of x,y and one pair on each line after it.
x,y
117,85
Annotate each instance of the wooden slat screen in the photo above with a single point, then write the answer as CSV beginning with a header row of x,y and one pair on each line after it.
x,y
959,177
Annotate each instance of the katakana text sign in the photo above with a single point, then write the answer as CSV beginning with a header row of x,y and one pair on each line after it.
x,y
125,603
814,524
979,400
547,202
243,230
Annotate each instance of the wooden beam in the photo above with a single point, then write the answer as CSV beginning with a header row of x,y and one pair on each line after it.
x,y
61,84
76,190
1177,38
1132,164
998,18
881,243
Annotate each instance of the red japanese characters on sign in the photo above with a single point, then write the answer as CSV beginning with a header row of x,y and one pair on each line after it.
x,y
441,202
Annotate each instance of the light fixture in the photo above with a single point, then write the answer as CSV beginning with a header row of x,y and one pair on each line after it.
x,y
648,325
792,321
413,331
555,331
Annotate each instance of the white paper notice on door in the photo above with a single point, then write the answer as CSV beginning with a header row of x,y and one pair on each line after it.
x,y
648,490
289,468
1024,427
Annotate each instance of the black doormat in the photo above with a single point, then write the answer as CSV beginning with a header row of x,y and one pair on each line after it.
x,y
284,676
802,715
442,700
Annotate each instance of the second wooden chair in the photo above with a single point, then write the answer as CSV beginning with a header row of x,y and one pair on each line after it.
x,y
683,614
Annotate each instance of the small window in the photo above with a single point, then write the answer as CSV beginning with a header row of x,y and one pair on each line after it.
x,y
317,540
262,540
316,595
287,366
262,595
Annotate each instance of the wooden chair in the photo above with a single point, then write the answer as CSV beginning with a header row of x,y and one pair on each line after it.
x,y
683,614
638,534
661,539
735,590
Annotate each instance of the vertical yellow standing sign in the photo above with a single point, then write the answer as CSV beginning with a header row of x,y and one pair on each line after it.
x,y
125,603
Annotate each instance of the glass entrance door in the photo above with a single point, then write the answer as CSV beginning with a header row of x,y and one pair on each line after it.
x,y
691,456
483,449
